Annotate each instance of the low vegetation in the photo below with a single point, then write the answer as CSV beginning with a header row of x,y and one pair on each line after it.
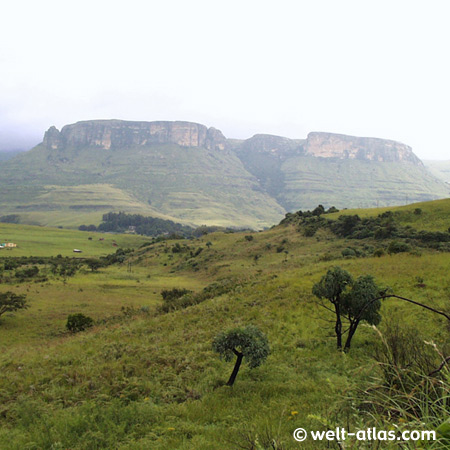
x,y
146,374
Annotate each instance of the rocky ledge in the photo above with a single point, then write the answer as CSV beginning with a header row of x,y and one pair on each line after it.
x,y
111,134
117,134
330,145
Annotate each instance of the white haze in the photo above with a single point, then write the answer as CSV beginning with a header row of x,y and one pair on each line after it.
x,y
356,67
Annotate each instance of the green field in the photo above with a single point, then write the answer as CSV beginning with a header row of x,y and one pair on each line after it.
x,y
140,379
40,241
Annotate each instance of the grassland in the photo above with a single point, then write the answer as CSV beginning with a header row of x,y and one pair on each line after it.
x,y
146,380
40,241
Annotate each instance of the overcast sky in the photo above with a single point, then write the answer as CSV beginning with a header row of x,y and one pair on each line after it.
x,y
366,68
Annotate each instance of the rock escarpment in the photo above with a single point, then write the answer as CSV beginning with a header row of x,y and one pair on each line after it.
x,y
330,145
116,134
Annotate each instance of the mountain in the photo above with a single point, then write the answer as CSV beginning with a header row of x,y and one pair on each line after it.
x,y
440,169
5,155
189,173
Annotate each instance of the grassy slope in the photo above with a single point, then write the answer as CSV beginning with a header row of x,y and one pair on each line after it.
x,y
440,169
435,216
153,382
310,181
193,184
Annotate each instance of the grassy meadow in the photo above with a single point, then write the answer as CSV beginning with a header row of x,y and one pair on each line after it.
x,y
143,379
40,241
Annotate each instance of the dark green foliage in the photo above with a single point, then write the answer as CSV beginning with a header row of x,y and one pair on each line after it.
x,y
55,265
246,342
345,225
332,287
300,216
94,264
118,257
361,303
398,247
11,264
78,322
382,227
147,226
197,252
319,210
87,228
309,231
348,253
172,294
176,299
10,218
355,300
176,248
29,272
249,238
10,302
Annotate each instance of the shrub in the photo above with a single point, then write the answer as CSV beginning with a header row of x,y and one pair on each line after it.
x,y
379,252
10,302
78,322
248,238
348,253
398,247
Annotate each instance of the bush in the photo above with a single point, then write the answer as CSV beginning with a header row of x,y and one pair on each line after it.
x,y
78,322
398,247
248,238
175,299
379,252
348,253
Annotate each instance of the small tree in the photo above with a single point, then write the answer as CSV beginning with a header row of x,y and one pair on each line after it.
x,y
10,302
94,264
78,322
248,342
361,303
332,287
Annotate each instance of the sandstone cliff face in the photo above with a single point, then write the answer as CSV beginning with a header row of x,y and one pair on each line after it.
x,y
111,134
329,145
117,134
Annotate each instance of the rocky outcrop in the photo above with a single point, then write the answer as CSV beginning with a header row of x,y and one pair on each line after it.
x,y
118,134
111,134
330,145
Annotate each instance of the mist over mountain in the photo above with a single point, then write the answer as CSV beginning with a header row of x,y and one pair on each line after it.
x,y
190,173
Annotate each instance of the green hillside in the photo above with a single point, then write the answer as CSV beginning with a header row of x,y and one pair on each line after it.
x,y
431,216
364,184
194,185
191,174
440,169
145,379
